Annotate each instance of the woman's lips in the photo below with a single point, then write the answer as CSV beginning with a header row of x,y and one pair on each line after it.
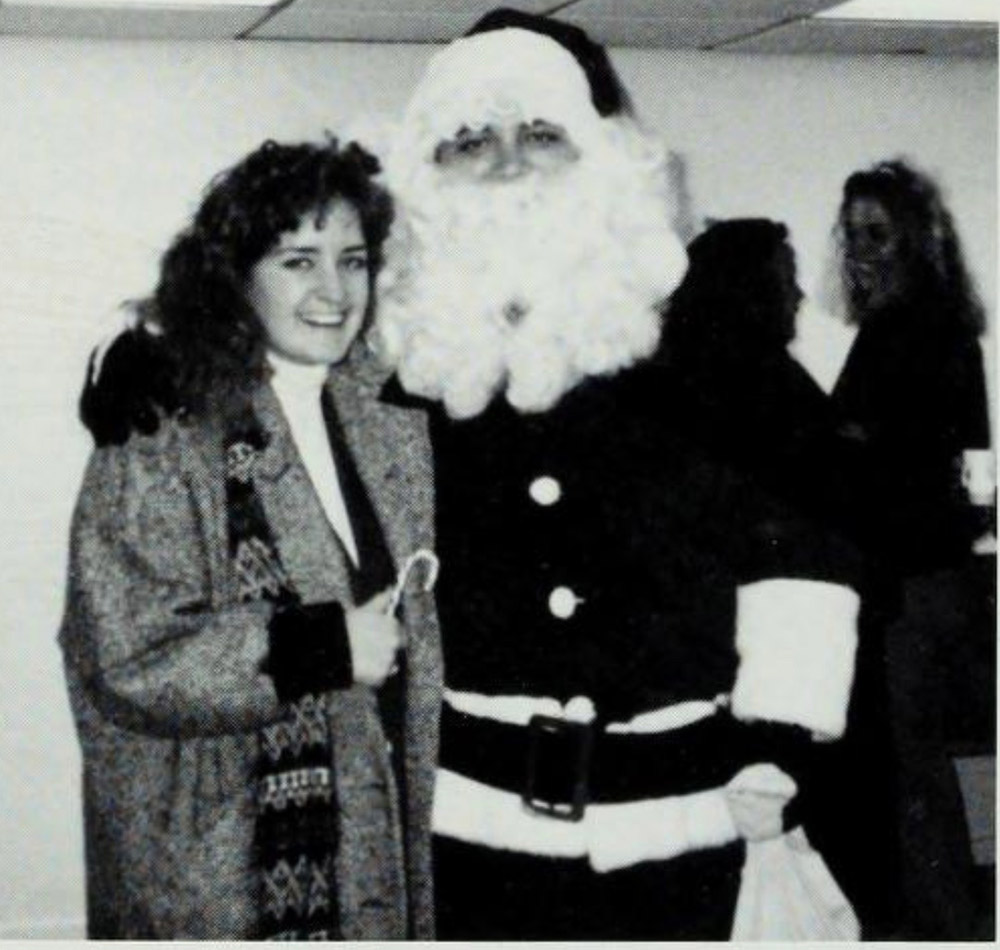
x,y
324,318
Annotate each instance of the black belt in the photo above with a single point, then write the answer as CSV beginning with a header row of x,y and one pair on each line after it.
x,y
551,760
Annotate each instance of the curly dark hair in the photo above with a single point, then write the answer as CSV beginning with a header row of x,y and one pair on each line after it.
x,y
938,278
734,300
212,336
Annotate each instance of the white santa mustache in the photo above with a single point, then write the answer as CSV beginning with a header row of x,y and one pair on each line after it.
x,y
526,287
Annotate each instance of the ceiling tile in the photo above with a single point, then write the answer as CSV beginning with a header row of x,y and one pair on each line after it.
x,y
978,42
454,8
118,23
666,33
419,21
832,36
773,10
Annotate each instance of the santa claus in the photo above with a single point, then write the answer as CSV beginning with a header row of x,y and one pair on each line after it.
x,y
627,625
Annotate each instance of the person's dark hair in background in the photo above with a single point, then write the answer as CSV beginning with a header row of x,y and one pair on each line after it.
x,y
898,241
725,338
912,396
739,290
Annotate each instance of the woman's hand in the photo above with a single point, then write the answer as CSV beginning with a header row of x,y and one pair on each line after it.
x,y
375,637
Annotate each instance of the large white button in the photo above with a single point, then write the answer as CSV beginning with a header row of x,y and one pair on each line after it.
x,y
563,603
545,490
580,709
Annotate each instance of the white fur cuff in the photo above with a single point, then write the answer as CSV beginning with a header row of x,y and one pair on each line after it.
x,y
796,641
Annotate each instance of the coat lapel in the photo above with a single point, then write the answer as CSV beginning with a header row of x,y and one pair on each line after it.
x,y
308,545
390,448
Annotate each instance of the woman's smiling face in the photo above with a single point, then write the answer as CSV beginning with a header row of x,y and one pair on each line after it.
x,y
310,291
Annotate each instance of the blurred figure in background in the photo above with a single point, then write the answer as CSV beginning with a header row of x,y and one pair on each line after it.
x,y
912,397
726,335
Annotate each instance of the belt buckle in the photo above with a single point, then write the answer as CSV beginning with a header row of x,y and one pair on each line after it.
x,y
556,784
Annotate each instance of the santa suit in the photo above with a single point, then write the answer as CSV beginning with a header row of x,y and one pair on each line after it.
x,y
590,554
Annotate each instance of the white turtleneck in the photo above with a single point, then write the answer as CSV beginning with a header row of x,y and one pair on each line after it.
x,y
299,387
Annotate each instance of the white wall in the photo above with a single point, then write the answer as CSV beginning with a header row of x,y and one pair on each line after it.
x,y
104,148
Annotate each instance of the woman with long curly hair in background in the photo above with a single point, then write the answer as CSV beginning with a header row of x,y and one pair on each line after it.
x,y
912,399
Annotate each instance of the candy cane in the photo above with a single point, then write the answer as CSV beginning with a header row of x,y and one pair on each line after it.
x,y
433,566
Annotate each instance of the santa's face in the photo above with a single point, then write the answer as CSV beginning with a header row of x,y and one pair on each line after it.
x,y
533,241
505,149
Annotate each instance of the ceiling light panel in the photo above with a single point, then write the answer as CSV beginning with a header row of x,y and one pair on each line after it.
x,y
756,10
412,21
927,11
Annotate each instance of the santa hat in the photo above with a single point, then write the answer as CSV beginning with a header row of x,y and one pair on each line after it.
x,y
607,91
486,78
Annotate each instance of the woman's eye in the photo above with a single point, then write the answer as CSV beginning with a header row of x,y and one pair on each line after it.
x,y
355,263
297,263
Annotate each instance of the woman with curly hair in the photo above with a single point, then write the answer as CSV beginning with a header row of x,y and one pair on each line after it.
x,y
912,392
258,752
912,398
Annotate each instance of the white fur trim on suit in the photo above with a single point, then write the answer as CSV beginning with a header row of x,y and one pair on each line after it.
x,y
480,814
796,641
612,836
619,836
518,711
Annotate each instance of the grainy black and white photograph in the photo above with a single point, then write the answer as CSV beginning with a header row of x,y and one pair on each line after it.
x,y
498,473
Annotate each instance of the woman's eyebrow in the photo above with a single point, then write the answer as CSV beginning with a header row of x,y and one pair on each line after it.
x,y
296,249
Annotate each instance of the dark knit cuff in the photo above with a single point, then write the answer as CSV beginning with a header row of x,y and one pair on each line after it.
x,y
308,651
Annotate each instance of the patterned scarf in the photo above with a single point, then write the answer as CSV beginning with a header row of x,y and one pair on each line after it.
x,y
296,831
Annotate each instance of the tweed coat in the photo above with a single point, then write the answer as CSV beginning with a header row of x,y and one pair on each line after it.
x,y
163,666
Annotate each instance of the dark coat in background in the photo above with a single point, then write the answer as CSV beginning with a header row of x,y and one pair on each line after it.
x,y
912,397
912,393
164,664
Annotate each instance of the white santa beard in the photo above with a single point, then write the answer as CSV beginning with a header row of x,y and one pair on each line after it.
x,y
588,254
